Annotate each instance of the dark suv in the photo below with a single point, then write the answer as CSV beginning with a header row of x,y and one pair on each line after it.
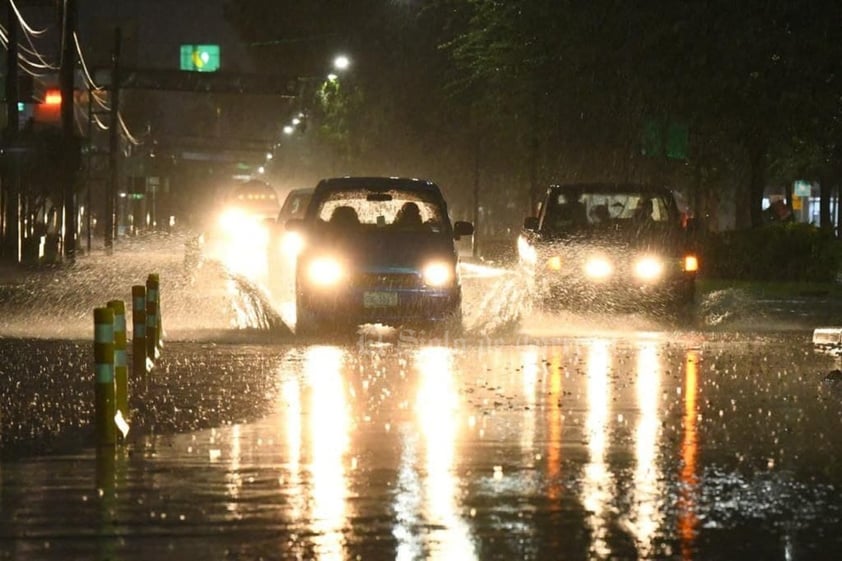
x,y
608,246
377,250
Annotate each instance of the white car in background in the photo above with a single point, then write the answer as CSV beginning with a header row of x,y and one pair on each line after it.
x,y
284,246
239,233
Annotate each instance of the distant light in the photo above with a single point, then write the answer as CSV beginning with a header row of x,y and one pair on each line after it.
x,y
341,62
261,169
332,77
269,155
296,121
289,129
53,97
21,106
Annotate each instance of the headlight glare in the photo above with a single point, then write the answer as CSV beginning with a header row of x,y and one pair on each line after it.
x,y
325,271
292,243
437,274
691,263
648,268
232,220
554,263
598,268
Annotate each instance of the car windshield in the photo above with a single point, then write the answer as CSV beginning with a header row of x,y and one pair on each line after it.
x,y
395,209
576,210
295,205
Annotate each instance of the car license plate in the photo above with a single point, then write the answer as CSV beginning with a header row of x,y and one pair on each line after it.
x,y
380,299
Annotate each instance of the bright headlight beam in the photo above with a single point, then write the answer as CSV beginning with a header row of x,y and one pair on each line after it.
x,y
648,268
554,263
598,268
437,274
325,271
232,219
292,243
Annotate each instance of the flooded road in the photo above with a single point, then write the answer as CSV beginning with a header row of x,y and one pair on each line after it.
x,y
528,437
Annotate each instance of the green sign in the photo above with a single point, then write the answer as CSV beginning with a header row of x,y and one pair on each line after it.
x,y
665,138
802,188
200,58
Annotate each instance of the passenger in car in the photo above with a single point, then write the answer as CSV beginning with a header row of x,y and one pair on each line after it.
x,y
600,215
409,216
344,218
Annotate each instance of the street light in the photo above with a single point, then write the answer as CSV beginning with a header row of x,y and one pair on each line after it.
x,y
341,62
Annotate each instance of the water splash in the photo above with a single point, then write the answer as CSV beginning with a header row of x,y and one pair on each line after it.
x,y
205,297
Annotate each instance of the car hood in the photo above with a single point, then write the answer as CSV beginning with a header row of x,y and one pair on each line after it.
x,y
659,240
378,251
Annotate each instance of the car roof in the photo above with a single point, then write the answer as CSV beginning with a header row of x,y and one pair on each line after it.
x,y
608,187
301,191
377,184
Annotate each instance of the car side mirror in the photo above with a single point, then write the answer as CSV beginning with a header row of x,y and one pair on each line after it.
x,y
530,223
461,228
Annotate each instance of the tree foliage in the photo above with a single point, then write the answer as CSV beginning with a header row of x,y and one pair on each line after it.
x,y
550,90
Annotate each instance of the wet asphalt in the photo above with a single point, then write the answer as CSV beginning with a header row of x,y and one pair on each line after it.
x,y
529,436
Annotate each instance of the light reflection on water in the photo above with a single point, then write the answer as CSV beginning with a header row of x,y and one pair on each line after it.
x,y
328,427
439,416
597,486
594,439
688,520
646,517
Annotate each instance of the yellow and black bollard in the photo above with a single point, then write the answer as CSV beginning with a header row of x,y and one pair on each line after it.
x,y
139,368
104,408
121,367
152,317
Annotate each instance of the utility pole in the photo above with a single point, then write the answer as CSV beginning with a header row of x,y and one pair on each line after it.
x,y
10,189
113,144
67,74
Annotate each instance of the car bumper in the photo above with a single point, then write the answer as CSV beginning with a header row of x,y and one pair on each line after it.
x,y
355,305
583,293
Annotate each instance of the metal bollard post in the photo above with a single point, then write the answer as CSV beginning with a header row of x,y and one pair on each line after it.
x,y
104,409
159,333
152,317
121,367
139,333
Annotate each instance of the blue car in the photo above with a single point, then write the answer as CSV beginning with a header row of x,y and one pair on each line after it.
x,y
377,250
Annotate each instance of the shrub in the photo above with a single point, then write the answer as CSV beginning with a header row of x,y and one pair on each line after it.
x,y
774,252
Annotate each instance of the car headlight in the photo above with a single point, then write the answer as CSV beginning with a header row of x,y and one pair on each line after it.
x,y
648,268
232,220
437,273
325,271
554,263
598,268
291,244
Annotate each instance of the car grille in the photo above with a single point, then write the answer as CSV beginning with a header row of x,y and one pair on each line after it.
x,y
388,280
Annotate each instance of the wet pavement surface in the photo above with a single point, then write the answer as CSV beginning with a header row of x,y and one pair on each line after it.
x,y
531,436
